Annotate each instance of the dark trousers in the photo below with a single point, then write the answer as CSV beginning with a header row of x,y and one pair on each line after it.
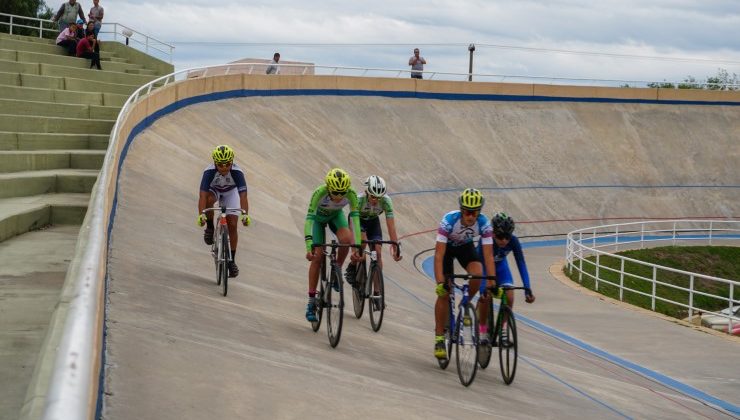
x,y
69,44
95,57
416,75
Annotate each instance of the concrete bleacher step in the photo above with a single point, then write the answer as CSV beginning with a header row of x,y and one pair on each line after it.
x,y
52,141
27,183
64,83
61,96
35,160
62,60
52,109
82,73
19,215
40,124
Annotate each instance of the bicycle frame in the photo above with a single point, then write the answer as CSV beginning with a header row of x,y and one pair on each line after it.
x,y
367,290
221,256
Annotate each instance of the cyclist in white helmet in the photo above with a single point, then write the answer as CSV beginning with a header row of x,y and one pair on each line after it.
x,y
372,204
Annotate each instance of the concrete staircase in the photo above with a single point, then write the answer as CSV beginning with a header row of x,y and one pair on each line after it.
x,y
56,115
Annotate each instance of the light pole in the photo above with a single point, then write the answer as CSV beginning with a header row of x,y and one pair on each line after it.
x,y
471,48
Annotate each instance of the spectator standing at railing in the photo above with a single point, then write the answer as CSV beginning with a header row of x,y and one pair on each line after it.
x,y
67,38
273,68
417,64
86,49
67,14
96,15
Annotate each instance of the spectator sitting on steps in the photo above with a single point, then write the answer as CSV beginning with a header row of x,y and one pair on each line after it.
x,y
68,39
86,49
67,14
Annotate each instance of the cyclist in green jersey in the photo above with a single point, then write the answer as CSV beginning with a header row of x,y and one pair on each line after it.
x,y
372,204
325,210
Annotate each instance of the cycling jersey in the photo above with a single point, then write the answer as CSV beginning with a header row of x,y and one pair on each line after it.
x,y
212,180
372,211
452,232
500,253
322,209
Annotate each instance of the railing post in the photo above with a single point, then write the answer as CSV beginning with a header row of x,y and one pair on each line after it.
x,y
11,25
115,31
580,257
711,227
691,297
732,300
146,43
642,235
674,233
596,277
41,28
655,278
616,239
621,281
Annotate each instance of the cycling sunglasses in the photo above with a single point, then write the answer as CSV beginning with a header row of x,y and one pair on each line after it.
x,y
467,212
338,193
224,164
503,236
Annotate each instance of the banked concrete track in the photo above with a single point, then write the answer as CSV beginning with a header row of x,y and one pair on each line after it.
x,y
176,349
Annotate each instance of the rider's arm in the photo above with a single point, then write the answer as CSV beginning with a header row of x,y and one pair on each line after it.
x,y
318,194
519,257
486,241
354,215
389,218
439,256
241,186
205,188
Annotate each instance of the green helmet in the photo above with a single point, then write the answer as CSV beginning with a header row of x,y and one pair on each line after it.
x,y
337,180
471,199
222,154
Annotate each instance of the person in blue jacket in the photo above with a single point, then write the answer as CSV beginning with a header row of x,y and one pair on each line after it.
x,y
504,242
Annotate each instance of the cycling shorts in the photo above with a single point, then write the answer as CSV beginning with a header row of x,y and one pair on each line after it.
x,y
334,222
229,198
465,254
372,229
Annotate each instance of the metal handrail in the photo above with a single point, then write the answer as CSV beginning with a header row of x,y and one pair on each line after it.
x,y
118,30
590,241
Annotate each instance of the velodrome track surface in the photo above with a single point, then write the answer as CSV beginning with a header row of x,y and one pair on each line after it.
x,y
177,349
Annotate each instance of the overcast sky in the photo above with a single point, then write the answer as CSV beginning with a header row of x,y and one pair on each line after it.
x,y
509,35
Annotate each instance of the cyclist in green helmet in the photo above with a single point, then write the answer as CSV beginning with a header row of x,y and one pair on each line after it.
x,y
325,209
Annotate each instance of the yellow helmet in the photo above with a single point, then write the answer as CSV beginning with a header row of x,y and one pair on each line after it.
x,y
222,154
471,199
337,180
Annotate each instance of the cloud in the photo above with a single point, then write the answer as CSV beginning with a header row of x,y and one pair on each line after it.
x,y
212,33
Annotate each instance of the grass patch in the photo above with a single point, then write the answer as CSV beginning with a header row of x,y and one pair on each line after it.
x,y
716,261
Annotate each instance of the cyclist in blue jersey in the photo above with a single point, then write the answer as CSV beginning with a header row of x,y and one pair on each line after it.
x,y
455,240
504,242
223,181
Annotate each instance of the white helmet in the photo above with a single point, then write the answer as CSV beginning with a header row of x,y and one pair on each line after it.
x,y
375,186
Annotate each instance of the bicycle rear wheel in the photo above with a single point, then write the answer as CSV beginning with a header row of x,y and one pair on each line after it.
x,y
376,298
466,344
358,291
315,325
334,306
507,344
448,339
224,263
485,350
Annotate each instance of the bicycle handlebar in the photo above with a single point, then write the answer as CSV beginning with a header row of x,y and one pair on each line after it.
x,y
224,209
376,241
336,245
470,277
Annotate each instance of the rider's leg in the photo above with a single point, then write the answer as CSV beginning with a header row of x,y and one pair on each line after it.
x,y
232,221
344,235
441,313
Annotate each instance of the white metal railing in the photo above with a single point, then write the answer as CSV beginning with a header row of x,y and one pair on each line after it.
x,y
604,240
116,31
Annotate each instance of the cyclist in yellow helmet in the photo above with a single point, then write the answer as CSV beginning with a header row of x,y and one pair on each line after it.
x,y
325,209
455,240
223,181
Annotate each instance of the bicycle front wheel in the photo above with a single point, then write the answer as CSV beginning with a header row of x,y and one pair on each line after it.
x,y
358,292
224,263
485,350
315,325
466,344
334,306
507,344
377,298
